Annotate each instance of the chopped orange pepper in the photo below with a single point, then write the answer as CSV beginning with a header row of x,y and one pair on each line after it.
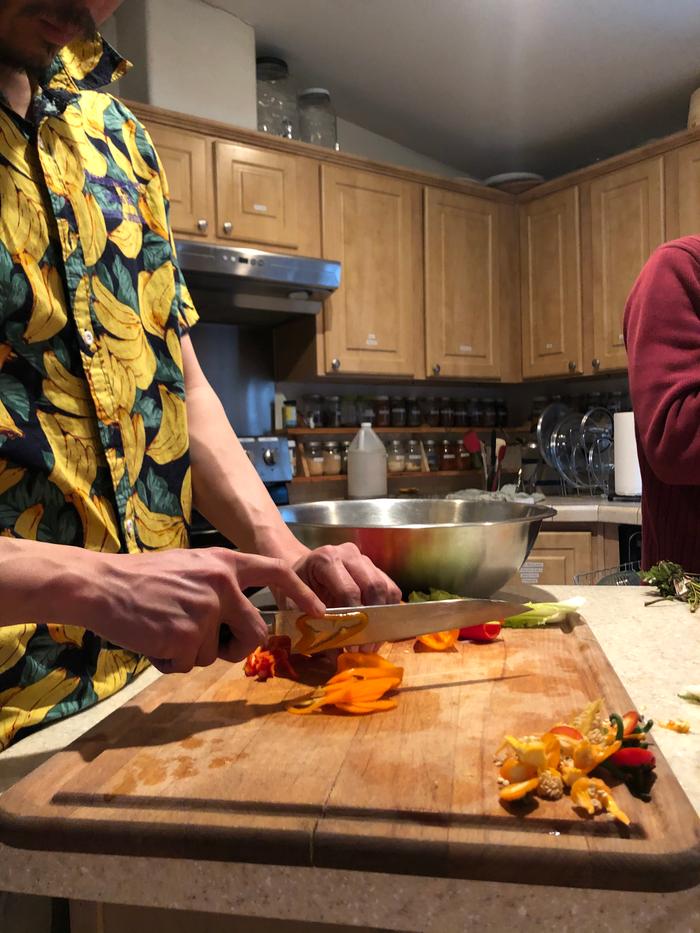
x,y
272,660
586,758
515,772
439,641
593,795
358,689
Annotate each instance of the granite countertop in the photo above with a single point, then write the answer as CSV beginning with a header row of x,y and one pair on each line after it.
x,y
655,651
594,509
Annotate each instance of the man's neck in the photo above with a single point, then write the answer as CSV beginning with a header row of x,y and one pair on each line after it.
x,y
16,89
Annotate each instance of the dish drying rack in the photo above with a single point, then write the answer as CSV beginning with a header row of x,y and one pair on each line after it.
x,y
578,447
622,575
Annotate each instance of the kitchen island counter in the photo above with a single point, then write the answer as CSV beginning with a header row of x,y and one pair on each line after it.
x,y
655,652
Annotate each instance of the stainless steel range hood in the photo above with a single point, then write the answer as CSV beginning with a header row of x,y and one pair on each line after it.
x,y
233,285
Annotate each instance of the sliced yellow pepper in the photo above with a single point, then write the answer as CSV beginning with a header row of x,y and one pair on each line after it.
x,y
592,795
515,771
357,689
674,725
585,758
519,790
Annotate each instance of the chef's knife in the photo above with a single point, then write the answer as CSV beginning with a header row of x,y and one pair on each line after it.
x,y
366,624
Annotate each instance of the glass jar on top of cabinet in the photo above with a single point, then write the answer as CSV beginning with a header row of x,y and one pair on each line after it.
x,y
317,119
277,104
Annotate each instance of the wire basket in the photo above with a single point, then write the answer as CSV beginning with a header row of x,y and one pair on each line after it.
x,y
624,575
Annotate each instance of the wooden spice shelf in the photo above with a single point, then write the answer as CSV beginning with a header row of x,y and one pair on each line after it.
x,y
422,429
410,474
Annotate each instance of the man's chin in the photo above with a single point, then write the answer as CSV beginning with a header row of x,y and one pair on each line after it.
x,y
33,61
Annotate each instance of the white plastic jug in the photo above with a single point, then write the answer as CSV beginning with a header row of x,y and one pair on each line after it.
x,y
366,465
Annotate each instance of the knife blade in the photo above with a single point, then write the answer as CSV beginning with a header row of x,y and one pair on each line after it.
x,y
355,625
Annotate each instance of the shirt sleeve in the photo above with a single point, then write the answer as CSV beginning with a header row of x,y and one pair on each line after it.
x,y
662,334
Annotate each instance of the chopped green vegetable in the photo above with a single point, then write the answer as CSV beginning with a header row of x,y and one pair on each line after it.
x,y
672,582
692,694
540,614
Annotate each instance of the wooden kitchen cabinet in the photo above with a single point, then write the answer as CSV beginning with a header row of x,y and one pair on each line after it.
x,y
186,159
267,199
682,170
626,225
550,276
462,285
557,557
373,323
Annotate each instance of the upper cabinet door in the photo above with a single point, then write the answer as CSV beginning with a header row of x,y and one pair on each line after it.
x,y
186,160
267,198
372,224
550,271
627,219
462,294
683,191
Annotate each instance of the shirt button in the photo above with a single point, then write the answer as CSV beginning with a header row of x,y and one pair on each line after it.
x,y
88,338
129,527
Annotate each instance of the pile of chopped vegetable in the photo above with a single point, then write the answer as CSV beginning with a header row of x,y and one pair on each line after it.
x,y
672,582
539,614
271,660
564,758
359,686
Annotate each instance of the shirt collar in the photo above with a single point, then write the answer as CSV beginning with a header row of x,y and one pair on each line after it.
x,y
85,65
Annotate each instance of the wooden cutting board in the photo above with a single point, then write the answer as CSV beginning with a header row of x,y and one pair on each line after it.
x,y
210,765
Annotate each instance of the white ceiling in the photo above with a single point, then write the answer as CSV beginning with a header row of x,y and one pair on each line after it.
x,y
494,85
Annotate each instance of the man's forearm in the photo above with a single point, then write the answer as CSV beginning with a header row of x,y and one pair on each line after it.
x,y
227,490
43,582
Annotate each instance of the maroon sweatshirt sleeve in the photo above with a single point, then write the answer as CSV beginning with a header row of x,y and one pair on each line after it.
x,y
662,333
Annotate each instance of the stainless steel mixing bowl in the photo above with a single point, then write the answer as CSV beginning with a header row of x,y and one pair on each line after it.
x,y
467,548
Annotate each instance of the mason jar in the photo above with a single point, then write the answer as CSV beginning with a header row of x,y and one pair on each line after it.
x,y
398,412
414,413
317,119
276,101
314,458
331,459
414,458
431,455
396,458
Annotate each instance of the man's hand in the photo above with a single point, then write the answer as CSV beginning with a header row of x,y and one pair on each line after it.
x,y
342,576
170,605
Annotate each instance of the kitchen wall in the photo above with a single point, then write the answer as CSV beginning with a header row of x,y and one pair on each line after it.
x,y
203,64
190,57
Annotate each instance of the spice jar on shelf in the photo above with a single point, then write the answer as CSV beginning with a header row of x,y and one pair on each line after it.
x,y
314,458
460,414
292,456
313,411
289,413
448,455
398,412
501,413
475,414
396,458
414,413
383,411
332,413
431,455
348,411
414,458
367,410
433,412
344,447
464,458
331,459
489,413
447,415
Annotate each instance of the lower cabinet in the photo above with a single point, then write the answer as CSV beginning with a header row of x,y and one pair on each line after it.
x,y
557,557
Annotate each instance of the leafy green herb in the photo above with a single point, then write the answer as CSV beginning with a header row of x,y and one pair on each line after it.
x,y
672,582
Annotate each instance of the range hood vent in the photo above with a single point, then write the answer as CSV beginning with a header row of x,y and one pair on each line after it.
x,y
232,285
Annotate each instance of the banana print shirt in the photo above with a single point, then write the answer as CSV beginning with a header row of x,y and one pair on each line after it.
x,y
93,430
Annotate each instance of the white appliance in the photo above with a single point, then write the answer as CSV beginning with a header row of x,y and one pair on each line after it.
x,y
628,479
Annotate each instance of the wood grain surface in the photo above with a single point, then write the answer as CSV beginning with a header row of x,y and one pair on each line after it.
x,y
210,765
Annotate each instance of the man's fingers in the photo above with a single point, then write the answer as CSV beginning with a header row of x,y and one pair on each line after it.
x,y
267,571
327,572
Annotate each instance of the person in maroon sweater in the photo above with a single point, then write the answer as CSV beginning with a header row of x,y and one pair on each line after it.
x,y
662,334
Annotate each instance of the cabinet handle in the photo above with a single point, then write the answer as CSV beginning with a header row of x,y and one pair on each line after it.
x,y
436,369
335,364
228,227
572,366
202,226
595,363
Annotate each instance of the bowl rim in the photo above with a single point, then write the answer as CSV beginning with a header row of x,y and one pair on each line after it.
x,y
545,511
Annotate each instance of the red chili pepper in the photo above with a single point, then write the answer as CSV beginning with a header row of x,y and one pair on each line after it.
x,y
487,631
633,758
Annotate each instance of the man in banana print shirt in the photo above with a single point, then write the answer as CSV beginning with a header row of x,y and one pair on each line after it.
x,y
108,429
